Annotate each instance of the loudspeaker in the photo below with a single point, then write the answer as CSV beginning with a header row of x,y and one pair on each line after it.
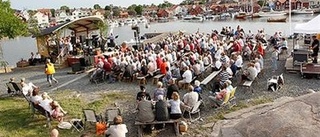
x,y
83,62
76,67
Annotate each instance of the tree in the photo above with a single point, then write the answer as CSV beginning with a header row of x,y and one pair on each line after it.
x,y
65,8
107,7
132,12
116,11
96,6
53,12
10,26
138,10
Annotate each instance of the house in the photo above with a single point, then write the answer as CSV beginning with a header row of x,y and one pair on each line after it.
x,y
123,14
61,16
195,10
79,13
42,18
163,13
150,11
99,13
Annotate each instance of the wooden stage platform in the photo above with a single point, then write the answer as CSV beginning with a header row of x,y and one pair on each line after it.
x,y
295,68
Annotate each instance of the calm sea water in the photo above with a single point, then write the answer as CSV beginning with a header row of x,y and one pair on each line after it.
x,y
21,47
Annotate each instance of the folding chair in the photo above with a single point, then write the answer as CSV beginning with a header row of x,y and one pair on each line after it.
x,y
90,116
195,110
77,125
111,114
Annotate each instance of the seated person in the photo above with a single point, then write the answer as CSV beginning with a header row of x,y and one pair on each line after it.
x,y
174,104
52,107
32,59
218,99
228,86
172,87
36,97
197,87
118,129
15,86
145,110
187,77
161,107
142,93
191,97
38,57
167,77
159,91
98,70
27,88
250,73
128,72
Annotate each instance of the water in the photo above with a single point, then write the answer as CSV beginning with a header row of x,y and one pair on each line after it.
x,y
21,47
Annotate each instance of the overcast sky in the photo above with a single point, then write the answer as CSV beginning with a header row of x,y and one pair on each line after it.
x,y
36,4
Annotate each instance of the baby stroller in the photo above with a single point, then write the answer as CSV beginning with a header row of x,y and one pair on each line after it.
x,y
97,76
275,82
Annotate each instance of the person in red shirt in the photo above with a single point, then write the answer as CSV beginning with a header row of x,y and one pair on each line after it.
x,y
159,61
260,49
163,67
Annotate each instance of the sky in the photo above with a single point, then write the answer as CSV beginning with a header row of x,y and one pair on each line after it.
x,y
37,4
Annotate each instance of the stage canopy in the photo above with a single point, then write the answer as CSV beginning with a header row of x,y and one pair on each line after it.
x,y
310,27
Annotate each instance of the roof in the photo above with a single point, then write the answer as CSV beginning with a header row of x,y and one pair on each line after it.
x,y
78,25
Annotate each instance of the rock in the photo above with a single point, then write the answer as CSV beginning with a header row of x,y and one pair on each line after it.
x,y
288,117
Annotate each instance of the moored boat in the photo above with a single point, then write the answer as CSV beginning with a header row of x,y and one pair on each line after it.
x,y
241,15
277,19
303,11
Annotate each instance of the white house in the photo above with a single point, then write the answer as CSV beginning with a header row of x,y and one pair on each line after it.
x,y
25,14
42,18
61,16
79,13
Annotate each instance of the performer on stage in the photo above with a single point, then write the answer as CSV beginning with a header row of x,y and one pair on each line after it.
x,y
315,49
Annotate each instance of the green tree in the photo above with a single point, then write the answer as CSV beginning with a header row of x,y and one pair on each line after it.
x,y
53,12
10,26
65,8
138,9
107,14
107,7
96,6
132,12
116,11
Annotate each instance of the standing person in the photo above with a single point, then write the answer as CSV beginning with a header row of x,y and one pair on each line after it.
x,y
274,59
315,49
49,72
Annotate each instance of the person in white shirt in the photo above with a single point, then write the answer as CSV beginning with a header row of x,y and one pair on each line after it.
x,y
118,129
239,62
27,89
187,77
191,97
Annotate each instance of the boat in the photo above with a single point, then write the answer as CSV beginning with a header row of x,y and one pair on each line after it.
x,y
303,11
272,13
241,15
254,15
193,18
210,17
277,19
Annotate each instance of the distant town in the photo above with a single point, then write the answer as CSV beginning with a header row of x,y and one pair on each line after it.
x,y
44,18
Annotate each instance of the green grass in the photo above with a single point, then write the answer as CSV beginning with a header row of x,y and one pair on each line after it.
x,y
16,119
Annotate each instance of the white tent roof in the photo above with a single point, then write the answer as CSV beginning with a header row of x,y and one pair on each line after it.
x,y
311,27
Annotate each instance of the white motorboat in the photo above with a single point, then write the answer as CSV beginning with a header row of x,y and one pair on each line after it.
x,y
193,18
210,17
303,11
272,14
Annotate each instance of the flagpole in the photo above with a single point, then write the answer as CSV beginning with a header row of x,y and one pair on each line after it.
x,y
290,24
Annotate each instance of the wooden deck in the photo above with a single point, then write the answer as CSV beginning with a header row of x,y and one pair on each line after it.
x,y
294,68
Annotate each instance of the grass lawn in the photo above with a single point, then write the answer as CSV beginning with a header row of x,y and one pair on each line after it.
x,y
16,118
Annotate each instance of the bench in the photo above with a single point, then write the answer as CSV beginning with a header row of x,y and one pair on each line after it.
x,y
209,78
156,78
141,124
248,84
142,79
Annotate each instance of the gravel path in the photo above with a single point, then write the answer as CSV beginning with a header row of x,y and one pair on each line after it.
x,y
294,86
